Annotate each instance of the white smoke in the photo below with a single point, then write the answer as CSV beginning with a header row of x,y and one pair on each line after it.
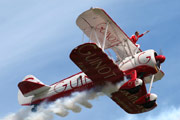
x,y
78,99
62,106
26,114
74,102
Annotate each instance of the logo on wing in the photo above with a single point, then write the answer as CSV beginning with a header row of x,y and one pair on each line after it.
x,y
101,28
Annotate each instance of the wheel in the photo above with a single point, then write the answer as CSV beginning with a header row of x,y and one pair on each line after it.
x,y
149,104
134,90
34,109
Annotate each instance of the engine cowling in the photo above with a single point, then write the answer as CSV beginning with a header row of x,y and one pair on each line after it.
x,y
148,100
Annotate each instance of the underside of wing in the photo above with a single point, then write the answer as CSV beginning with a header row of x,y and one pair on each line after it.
x,y
103,31
96,64
158,76
128,101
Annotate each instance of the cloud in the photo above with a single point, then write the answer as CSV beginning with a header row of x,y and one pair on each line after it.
x,y
171,113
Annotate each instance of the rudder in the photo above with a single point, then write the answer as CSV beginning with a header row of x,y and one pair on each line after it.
x,y
32,86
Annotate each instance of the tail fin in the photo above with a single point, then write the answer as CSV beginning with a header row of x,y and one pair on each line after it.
x,y
32,86
24,100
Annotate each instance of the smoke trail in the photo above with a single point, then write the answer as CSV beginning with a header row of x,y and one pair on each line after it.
x,y
78,99
59,107
26,114
74,102
63,105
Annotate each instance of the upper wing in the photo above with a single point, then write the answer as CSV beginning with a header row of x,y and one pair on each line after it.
x,y
97,24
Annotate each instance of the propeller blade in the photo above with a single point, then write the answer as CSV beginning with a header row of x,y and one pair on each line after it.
x,y
160,52
158,64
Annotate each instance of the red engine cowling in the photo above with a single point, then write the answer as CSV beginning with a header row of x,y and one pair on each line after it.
x,y
147,100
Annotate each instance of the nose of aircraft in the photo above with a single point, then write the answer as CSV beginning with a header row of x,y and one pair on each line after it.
x,y
160,58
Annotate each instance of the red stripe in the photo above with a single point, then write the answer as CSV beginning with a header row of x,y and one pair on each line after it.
x,y
66,78
31,78
27,86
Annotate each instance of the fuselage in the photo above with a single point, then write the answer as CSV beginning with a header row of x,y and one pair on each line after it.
x,y
77,82
143,62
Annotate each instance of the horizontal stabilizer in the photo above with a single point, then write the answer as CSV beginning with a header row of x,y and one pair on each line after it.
x,y
32,86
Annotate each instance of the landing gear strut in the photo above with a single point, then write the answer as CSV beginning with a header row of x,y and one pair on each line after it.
x,y
34,109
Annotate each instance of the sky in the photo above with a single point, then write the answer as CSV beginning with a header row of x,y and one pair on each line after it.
x,y
37,36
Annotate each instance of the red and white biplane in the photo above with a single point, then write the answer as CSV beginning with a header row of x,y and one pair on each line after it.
x,y
136,66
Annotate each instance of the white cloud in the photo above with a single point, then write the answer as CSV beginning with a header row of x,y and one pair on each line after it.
x,y
171,113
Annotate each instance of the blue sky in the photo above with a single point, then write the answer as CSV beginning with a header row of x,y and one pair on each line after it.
x,y
36,37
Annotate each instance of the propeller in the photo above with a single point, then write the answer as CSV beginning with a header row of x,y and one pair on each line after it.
x,y
160,52
160,58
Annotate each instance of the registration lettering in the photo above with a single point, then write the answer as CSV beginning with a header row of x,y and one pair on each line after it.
x,y
95,61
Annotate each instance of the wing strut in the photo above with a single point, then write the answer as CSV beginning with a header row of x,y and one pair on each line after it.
x,y
150,86
118,56
104,41
93,32
136,50
99,45
129,48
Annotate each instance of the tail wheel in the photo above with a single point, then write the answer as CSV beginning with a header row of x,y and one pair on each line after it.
x,y
34,109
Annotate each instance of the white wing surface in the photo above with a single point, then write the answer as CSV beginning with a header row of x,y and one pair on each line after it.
x,y
103,31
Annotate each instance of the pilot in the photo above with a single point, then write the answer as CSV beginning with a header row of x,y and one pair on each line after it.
x,y
134,38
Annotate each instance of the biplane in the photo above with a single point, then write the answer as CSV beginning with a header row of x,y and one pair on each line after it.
x,y
132,65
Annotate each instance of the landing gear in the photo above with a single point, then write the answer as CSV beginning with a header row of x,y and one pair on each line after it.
x,y
132,86
134,90
149,104
34,109
147,101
